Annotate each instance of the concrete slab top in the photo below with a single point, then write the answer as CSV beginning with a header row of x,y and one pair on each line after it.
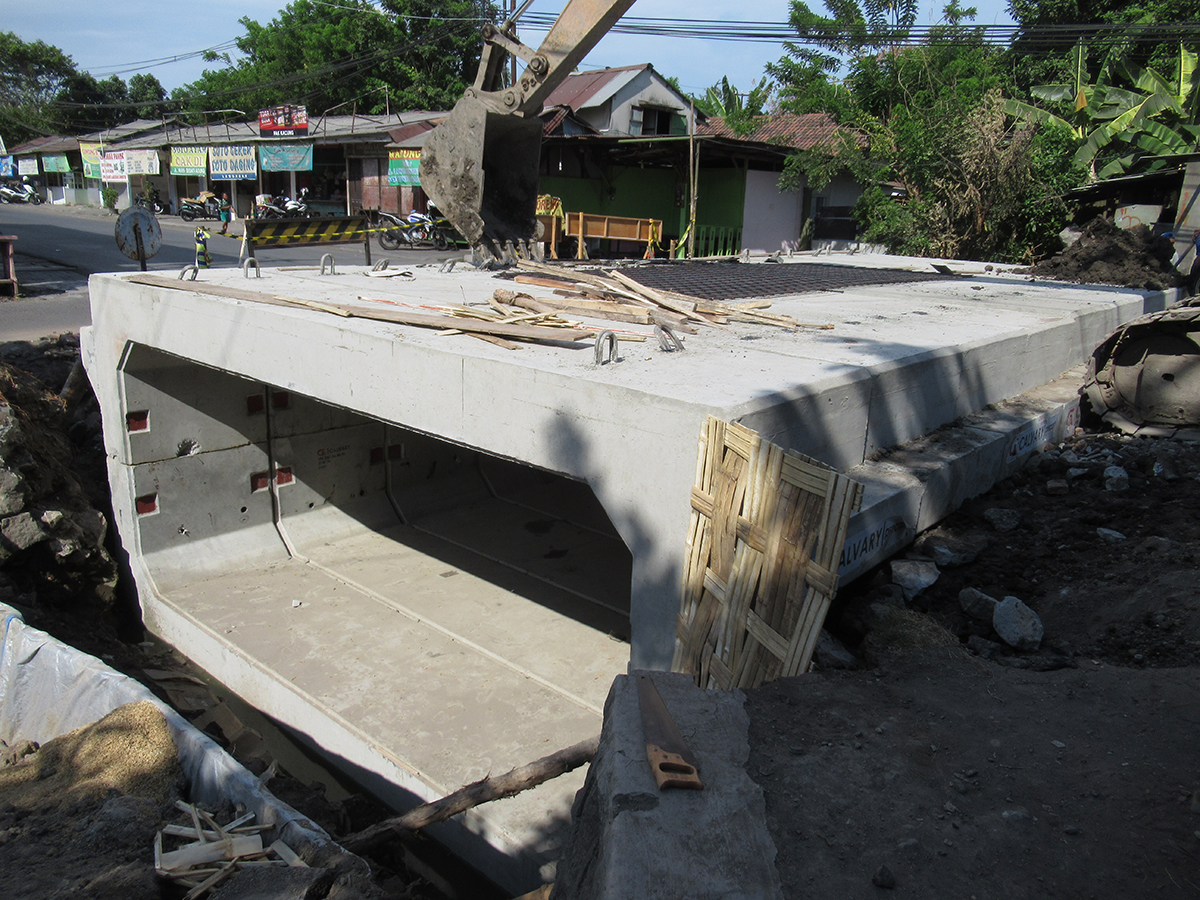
x,y
861,329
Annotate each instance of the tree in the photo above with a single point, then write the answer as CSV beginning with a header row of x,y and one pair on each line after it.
x,y
406,54
31,76
739,110
147,89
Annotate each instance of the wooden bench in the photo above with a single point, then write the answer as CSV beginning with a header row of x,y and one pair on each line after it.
x,y
617,228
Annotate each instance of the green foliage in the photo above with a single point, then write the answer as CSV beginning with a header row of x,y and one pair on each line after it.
x,y
108,196
31,76
148,90
739,110
404,54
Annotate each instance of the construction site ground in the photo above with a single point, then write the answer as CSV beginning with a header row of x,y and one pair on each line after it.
x,y
931,771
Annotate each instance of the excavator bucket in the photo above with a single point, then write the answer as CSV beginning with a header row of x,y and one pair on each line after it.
x,y
480,168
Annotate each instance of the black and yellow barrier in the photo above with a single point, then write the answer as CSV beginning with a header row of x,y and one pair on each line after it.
x,y
265,234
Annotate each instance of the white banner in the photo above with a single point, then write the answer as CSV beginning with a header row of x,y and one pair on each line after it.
x,y
230,161
141,162
27,165
112,167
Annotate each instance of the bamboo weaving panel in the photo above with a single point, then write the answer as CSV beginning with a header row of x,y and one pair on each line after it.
x,y
765,537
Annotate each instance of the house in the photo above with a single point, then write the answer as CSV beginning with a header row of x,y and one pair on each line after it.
x,y
631,101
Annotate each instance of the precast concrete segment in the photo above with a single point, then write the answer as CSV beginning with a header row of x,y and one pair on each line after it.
x,y
258,471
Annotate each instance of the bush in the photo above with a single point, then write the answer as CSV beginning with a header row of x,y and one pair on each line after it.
x,y
108,196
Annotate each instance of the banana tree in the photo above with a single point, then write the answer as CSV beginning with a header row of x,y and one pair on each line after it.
x,y
1156,118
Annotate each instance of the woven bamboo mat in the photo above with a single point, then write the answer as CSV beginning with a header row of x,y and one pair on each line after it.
x,y
766,534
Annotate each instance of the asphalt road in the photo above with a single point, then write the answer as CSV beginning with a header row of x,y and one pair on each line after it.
x,y
59,246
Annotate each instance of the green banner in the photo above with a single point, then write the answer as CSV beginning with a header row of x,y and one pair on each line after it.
x,y
55,163
286,157
91,159
189,160
404,167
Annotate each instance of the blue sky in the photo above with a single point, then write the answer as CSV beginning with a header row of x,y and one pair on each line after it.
x,y
103,41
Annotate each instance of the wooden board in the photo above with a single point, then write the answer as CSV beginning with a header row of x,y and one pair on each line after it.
x,y
763,546
390,314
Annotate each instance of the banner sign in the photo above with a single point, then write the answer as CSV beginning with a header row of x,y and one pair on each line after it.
x,y
6,167
404,167
55,163
91,159
27,165
283,121
286,157
3,149
189,160
112,167
227,162
141,162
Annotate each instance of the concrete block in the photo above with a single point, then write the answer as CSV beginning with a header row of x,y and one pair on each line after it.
x,y
628,839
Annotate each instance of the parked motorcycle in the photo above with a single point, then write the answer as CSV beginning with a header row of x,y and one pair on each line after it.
x,y
298,208
20,192
268,207
416,228
205,206
151,201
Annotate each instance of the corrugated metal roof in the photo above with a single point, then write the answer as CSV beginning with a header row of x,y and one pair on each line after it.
x,y
581,89
50,144
328,129
799,132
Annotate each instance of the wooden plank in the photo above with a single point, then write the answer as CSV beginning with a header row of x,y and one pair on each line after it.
x,y
288,855
213,851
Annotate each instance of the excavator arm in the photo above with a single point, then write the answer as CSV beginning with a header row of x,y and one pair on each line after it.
x,y
480,165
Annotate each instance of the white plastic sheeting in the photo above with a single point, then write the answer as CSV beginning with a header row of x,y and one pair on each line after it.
x,y
48,688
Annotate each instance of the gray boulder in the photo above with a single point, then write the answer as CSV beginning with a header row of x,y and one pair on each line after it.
x,y
1116,479
831,653
1003,520
977,604
1017,624
914,575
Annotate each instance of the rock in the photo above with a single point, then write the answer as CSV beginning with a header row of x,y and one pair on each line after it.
x,y
831,653
1057,487
1017,624
1165,469
914,575
13,493
1116,479
1076,472
1157,544
883,878
20,532
984,648
947,551
1003,520
977,604
1109,536
274,883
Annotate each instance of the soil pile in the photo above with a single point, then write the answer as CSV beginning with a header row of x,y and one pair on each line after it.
x,y
79,814
1105,254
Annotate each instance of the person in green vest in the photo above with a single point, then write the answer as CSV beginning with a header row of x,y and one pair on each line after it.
x,y
223,212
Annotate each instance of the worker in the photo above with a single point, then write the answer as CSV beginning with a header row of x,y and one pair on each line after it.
x,y
223,212
203,258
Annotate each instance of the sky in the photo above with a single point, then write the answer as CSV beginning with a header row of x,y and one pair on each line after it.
x,y
149,30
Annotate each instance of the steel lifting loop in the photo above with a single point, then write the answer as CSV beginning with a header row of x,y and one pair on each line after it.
x,y
332,270
606,346
195,270
448,266
668,340
380,266
246,268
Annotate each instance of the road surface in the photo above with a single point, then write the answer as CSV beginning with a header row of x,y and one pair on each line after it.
x,y
59,246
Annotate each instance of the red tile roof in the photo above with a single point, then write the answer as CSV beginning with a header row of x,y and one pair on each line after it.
x,y
799,132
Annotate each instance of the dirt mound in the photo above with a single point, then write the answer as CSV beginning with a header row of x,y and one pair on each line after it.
x,y
1105,254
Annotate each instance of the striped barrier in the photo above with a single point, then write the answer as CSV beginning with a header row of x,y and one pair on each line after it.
x,y
265,234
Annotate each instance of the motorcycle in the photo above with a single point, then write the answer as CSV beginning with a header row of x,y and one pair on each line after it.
x,y
151,201
268,207
20,192
205,206
298,208
416,228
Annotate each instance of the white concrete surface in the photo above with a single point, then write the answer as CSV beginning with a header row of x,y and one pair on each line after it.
x,y
421,682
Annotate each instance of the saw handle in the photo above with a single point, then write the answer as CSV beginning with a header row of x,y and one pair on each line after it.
x,y
670,770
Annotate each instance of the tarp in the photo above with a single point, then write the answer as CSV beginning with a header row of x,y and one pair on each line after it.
x,y
91,159
286,157
189,160
48,688
404,167
227,162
